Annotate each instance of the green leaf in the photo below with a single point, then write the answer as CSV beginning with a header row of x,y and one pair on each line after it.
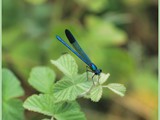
x,y
68,111
42,79
10,85
117,88
70,88
103,78
67,65
100,79
40,103
44,103
12,110
96,93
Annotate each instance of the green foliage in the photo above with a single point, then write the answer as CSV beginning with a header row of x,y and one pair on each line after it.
x,y
117,88
105,29
44,103
11,106
95,93
68,89
13,110
42,79
67,65
58,99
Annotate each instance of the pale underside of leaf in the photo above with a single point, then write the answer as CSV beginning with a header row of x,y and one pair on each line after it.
x,y
119,89
98,79
95,93
103,78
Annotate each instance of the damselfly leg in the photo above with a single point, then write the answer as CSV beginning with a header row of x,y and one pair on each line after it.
x,y
88,70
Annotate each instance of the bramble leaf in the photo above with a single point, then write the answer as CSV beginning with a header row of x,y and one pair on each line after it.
x,y
100,79
13,110
103,78
67,65
69,111
10,85
117,88
42,79
11,107
96,93
44,103
70,88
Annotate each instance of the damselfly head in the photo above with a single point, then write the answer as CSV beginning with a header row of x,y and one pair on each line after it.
x,y
98,71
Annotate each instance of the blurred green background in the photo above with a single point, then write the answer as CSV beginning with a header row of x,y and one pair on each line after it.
x,y
120,36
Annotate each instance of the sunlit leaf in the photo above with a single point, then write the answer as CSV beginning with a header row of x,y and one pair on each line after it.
x,y
117,88
10,85
69,111
66,64
40,103
42,79
70,88
96,93
101,79
62,111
